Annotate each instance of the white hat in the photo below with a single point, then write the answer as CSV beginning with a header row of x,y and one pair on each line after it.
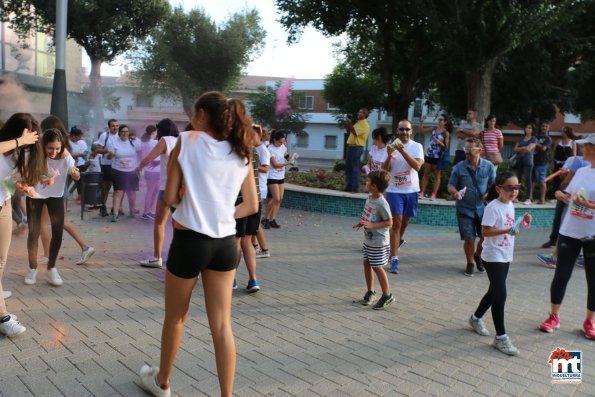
x,y
589,139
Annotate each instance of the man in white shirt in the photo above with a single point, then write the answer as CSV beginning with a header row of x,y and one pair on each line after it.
x,y
404,160
101,144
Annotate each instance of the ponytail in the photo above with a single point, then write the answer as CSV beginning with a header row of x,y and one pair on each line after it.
x,y
229,121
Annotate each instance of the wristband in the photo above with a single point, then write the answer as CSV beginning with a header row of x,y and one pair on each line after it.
x,y
17,142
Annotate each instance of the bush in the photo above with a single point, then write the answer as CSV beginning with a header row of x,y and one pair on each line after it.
x,y
318,178
339,166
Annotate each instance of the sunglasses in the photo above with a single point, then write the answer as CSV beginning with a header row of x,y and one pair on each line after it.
x,y
440,119
510,188
470,149
404,129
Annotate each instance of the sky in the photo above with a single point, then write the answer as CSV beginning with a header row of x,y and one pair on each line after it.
x,y
311,58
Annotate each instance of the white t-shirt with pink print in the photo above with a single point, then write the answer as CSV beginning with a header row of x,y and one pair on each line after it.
x,y
377,157
500,216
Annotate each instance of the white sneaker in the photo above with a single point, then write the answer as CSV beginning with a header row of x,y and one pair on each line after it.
x,y
12,327
54,277
479,326
152,262
506,346
149,384
43,260
31,277
7,294
262,254
85,255
527,202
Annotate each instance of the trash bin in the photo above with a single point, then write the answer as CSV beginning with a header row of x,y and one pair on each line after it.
x,y
91,189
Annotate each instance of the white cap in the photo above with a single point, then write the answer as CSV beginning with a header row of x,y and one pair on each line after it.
x,y
589,139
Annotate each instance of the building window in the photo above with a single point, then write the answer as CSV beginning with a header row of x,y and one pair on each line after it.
x,y
330,141
307,102
330,106
302,140
144,101
417,108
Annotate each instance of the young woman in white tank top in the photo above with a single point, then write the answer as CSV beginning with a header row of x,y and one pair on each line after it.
x,y
167,134
207,170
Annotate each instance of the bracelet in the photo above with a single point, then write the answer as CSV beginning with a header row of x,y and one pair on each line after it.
x,y
17,142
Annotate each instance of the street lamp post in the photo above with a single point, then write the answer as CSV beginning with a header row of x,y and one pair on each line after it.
x,y
59,105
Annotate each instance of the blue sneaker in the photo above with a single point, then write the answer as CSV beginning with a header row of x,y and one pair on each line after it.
x,y
235,284
253,286
548,260
394,266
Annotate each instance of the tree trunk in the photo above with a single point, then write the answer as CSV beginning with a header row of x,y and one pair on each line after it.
x,y
187,104
479,89
96,96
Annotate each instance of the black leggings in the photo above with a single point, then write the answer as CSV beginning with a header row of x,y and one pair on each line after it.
x,y
496,295
56,211
568,250
560,208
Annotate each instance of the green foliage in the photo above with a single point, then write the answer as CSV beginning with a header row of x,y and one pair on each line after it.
x,y
318,178
453,51
339,166
190,54
262,109
104,28
386,40
349,91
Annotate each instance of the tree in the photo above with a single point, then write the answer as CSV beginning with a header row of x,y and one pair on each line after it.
x,y
387,38
190,54
263,105
349,91
477,36
104,28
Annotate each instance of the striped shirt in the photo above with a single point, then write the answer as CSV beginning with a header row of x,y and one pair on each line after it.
x,y
489,139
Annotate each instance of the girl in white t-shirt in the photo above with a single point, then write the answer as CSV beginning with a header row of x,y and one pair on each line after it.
x,y
276,178
49,193
378,152
167,135
151,171
15,134
576,232
207,170
498,229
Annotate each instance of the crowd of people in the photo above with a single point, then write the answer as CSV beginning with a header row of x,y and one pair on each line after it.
x,y
219,217
484,205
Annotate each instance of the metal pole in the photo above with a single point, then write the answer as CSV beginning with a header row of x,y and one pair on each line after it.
x,y
59,105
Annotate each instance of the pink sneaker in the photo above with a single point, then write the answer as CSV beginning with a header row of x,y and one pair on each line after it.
x,y
589,329
552,323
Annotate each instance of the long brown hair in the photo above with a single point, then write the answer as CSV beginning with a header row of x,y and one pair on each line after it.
x,y
54,122
229,121
33,168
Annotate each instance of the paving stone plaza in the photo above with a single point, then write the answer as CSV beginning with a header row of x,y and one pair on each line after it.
x,y
301,335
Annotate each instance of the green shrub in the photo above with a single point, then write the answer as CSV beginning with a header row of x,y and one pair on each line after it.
x,y
339,166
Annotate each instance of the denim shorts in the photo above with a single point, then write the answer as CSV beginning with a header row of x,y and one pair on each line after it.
x,y
402,204
469,228
539,172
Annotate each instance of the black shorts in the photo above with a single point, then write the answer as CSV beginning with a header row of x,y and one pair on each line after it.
x,y
191,252
248,226
275,181
106,169
125,180
430,160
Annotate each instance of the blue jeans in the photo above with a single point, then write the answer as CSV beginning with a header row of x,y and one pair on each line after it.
x,y
352,167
